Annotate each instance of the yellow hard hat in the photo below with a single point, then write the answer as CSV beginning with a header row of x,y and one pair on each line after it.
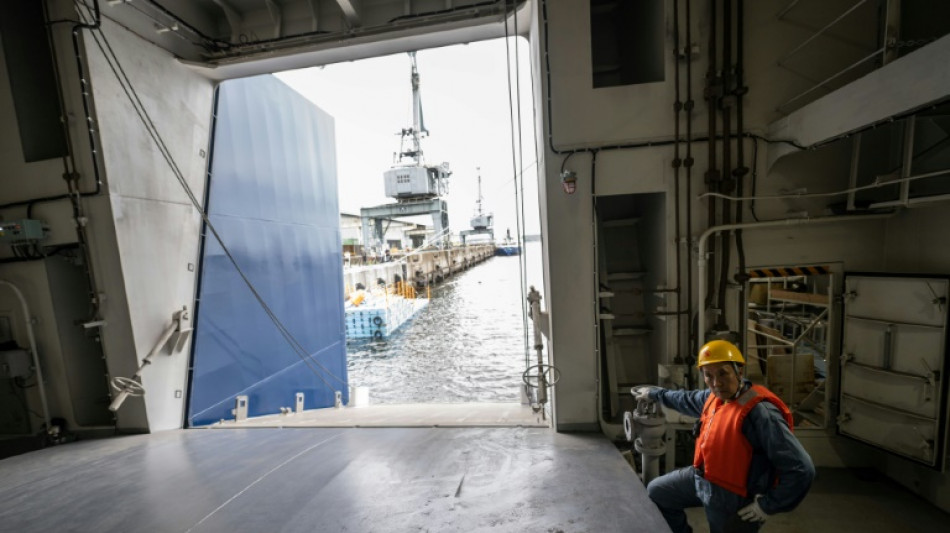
x,y
719,351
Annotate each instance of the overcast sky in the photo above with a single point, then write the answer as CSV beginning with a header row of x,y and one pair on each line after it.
x,y
466,109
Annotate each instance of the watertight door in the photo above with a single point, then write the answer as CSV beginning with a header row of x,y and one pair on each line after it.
x,y
273,200
893,361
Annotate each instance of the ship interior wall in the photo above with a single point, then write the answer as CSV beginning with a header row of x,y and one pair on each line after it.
x,y
133,236
142,233
53,275
617,125
156,226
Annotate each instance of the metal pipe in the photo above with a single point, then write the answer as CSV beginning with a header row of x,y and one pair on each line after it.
x,y
677,164
535,299
891,31
689,187
712,178
853,174
725,245
701,247
797,341
908,160
36,358
741,169
821,31
646,427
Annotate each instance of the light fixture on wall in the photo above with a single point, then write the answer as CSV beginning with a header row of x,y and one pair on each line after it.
x,y
569,181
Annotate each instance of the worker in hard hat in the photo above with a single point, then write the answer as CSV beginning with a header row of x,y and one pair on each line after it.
x,y
747,464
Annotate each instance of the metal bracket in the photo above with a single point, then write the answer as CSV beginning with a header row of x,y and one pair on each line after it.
x,y
240,408
182,331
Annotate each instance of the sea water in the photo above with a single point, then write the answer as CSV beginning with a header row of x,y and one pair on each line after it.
x,y
468,345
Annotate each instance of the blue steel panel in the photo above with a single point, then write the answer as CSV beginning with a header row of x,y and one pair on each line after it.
x,y
273,200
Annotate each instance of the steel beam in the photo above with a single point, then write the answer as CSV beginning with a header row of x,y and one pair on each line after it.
x,y
350,12
372,218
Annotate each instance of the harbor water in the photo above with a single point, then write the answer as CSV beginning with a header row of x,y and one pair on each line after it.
x,y
467,345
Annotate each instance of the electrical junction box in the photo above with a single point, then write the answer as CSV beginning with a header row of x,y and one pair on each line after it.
x,y
26,229
15,364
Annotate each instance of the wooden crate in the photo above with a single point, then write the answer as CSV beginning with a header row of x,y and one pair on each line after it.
x,y
779,376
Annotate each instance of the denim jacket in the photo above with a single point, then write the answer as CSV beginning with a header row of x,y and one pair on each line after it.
x,y
776,452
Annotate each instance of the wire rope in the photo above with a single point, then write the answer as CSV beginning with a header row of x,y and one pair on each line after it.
x,y
514,166
523,256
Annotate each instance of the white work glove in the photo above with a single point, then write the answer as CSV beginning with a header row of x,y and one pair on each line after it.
x,y
642,394
752,512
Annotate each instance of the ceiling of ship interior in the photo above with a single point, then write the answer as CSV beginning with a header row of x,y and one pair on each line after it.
x,y
234,38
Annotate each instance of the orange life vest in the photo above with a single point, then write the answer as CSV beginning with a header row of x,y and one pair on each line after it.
x,y
723,453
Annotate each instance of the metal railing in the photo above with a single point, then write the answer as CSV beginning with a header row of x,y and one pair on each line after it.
x,y
881,52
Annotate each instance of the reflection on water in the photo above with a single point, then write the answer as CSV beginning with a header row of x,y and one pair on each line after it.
x,y
466,346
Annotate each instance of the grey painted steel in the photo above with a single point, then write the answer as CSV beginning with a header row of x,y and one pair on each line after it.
x,y
372,218
328,480
892,365
874,97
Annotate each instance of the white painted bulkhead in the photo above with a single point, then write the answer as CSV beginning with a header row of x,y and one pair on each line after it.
x,y
156,227
908,242
142,229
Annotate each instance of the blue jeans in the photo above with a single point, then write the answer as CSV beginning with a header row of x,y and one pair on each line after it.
x,y
677,490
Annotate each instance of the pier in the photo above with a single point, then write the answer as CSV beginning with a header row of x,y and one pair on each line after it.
x,y
382,297
418,268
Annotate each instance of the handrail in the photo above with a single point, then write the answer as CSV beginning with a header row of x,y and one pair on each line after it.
x,y
820,31
829,79
882,51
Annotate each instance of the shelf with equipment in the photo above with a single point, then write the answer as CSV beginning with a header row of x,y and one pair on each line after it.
x,y
788,319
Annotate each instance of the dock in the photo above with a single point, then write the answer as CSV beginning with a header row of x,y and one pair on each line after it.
x,y
421,268
382,297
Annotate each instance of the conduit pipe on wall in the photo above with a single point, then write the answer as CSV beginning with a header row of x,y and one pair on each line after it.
x,y
36,358
741,169
726,181
712,173
688,163
701,247
677,164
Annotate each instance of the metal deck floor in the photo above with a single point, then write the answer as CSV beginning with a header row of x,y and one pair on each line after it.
x,y
328,479
445,415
